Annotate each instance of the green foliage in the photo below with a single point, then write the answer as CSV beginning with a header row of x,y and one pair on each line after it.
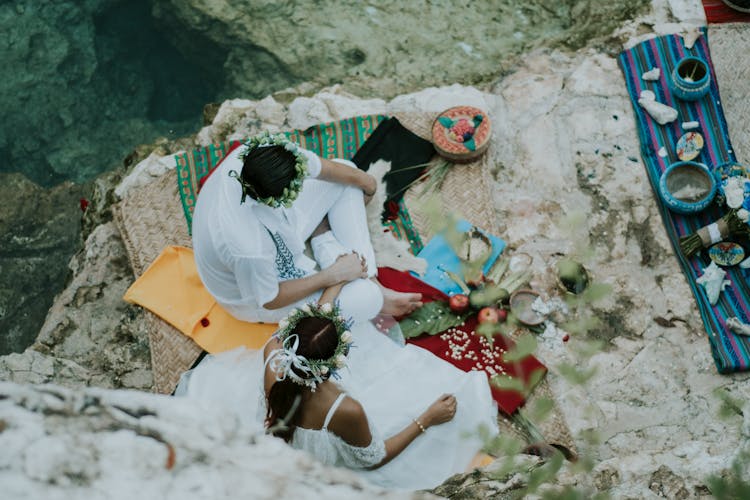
x,y
735,484
730,405
576,375
540,410
508,383
525,346
432,318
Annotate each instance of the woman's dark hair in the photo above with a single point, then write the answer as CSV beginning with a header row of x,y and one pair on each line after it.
x,y
318,339
268,169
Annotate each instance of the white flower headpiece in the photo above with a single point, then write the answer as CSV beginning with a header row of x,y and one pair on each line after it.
x,y
284,361
290,192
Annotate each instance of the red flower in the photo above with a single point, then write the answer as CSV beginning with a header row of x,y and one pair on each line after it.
x,y
84,204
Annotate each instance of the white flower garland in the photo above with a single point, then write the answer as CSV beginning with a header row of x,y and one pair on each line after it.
x,y
315,371
290,192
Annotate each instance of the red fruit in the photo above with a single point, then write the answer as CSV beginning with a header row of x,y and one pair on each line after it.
x,y
502,315
488,315
459,303
566,337
476,280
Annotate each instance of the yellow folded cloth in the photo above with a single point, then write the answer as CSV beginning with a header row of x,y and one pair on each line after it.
x,y
172,289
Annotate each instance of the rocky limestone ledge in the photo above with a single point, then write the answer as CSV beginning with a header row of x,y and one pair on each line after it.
x,y
388,45
59,443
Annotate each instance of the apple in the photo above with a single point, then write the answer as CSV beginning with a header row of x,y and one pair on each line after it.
x,y
502,315
488,315
459,303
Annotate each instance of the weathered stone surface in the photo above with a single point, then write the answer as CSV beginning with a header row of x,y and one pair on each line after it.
x,y
89,322
40,229
98,444
391,46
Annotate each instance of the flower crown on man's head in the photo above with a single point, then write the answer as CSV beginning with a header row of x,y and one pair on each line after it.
x,y
290,193
282,361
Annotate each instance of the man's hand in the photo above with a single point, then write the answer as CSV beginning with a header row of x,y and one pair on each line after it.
x,y
348,268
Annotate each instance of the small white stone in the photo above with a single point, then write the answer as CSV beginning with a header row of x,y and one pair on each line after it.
x,y
690,125
651,75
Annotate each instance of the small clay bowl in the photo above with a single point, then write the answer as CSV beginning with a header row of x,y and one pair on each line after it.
x,y
687,187
520,306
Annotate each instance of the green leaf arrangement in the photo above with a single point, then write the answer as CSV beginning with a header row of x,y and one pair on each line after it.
x,y
432,318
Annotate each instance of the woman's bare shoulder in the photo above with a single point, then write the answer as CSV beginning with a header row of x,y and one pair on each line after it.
x,y
350,423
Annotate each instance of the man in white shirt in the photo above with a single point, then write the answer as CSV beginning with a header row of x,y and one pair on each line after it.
x,y
249,248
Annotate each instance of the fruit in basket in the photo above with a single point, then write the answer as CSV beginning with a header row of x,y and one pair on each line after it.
x,y
458,303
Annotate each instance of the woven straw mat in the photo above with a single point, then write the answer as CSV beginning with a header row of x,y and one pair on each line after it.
x,y
149,219
730,46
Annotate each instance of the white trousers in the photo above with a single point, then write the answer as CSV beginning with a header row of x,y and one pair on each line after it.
x,y
344,205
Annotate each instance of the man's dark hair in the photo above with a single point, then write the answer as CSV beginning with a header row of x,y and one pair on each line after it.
x,y
268,169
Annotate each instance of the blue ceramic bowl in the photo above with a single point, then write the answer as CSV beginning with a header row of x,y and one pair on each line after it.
x,y
687,187
691,79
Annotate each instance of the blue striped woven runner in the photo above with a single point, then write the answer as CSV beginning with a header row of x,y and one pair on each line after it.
x,y
730,352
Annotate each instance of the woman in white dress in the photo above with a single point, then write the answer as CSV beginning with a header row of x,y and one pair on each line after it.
x,y
399,416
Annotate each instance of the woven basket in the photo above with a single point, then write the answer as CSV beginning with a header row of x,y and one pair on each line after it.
x,y
473,136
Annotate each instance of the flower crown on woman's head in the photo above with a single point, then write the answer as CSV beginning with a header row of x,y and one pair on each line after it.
x,y
314,371
290,193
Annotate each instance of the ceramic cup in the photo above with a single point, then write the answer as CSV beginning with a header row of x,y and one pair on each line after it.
x,y
687,187
691,79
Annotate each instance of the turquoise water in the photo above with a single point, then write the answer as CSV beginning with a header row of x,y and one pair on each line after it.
x,y
92,84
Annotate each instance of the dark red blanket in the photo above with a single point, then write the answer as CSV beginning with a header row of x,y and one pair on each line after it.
x,y
718,12
465,350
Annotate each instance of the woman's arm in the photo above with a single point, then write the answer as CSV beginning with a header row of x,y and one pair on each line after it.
x,y
350,423
347,268
330,294
344,174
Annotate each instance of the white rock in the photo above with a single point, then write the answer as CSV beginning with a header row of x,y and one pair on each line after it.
x,y
662,113
147,170
651,75
690,125
691,36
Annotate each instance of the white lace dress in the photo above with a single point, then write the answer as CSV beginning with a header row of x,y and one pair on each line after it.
x,y
332,450
393,384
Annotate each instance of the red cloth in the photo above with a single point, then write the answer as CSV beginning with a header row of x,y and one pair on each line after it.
x,y
202,180
718,12
476,352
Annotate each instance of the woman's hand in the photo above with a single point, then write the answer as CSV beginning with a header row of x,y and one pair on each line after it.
x,y
441,411
369,187
347,268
